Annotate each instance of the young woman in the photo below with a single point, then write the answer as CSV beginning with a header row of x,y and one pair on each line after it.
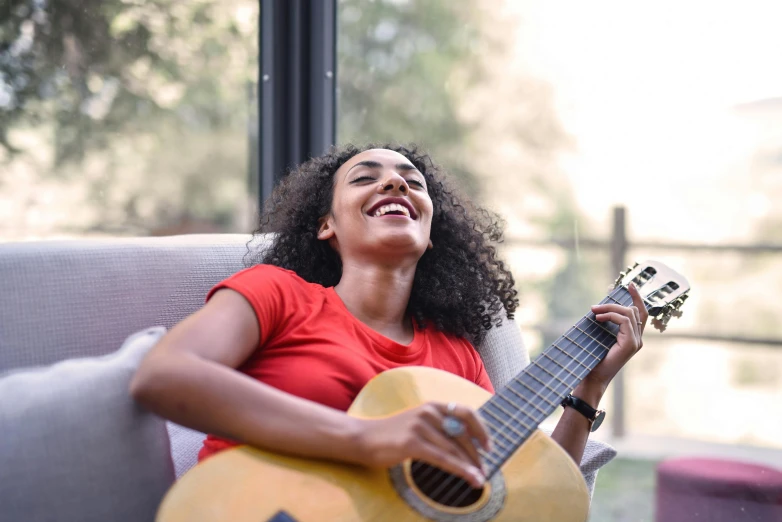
x,y
376,263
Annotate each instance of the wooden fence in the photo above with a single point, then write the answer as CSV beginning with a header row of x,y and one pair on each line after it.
x,y
618,246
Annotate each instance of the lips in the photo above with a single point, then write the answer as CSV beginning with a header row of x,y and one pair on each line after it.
x,y
389,201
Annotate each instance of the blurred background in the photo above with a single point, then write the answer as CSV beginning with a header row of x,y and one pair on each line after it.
x,y
603,133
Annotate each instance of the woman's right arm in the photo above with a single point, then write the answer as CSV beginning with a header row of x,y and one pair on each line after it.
x,y
189,377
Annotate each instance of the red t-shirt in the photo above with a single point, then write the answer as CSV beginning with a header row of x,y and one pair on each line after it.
x,y
311,346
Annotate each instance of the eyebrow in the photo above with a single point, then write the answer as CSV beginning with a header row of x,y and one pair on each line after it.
x,y
377,165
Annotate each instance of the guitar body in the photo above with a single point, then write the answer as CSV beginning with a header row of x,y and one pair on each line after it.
x,y
541,481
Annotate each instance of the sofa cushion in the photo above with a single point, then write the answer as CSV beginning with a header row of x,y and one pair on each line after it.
x,y
185,445
76,447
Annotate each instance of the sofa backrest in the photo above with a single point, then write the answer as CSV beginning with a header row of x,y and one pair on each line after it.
x,y
77,298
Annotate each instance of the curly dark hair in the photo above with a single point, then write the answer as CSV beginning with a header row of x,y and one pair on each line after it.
x,y
460,285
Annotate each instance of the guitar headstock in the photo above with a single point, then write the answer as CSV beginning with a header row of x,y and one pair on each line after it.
x,y
664,290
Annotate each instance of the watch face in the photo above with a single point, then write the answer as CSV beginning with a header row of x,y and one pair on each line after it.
x,y
598,420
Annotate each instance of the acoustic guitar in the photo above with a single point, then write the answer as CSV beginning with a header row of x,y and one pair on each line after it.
x,y
530,477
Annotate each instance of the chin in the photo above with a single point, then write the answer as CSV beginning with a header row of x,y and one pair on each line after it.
x,y
401,245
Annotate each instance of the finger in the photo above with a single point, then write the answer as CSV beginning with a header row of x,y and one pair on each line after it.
x,y
638,302
637,317
436,456
639,326
619,310
467,445
476,429
610,307
627,325
453,447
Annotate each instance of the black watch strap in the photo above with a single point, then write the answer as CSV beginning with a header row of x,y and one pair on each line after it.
x,y
595,417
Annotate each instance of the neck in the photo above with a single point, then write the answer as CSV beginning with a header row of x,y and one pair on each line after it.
x,y
517,409
378,297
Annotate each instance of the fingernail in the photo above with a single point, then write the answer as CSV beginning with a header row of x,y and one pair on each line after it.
x,y
479,478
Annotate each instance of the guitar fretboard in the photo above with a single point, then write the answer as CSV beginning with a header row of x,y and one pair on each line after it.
x,y
516,410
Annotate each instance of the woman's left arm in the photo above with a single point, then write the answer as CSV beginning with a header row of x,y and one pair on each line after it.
x,y
572,430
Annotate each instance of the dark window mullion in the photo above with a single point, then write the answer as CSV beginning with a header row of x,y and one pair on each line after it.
x,y
296,95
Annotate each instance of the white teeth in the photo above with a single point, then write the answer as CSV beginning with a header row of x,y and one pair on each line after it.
x,y
385,209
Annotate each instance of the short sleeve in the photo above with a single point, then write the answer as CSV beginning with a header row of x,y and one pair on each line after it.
x,y
268,289
481,376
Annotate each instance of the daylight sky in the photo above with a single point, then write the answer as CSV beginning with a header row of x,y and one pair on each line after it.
x,y
648,91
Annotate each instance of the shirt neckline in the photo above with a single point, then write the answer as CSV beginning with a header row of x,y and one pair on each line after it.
x,y
386,345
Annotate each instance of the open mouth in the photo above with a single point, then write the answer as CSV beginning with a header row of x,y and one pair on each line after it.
x,y
393,207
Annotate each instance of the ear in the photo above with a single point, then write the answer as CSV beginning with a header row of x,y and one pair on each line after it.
x,y
430,245
326,229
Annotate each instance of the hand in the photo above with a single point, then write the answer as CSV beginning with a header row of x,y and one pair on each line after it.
x,y
631,320
418,434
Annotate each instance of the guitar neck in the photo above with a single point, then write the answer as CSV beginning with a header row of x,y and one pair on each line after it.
x,y
516,410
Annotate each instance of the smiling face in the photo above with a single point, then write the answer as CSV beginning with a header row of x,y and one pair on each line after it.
x,y
381,208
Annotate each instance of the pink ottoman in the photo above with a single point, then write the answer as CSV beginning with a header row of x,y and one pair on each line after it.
x,y
713,490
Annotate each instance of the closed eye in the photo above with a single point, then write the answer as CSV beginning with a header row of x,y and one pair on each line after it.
x,y
419,183
363,178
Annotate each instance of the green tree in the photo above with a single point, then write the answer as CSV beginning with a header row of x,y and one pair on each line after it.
x,y
151,98
396,74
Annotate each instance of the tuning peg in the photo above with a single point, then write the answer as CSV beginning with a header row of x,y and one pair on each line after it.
x,y
680,301
676,314
661,322
619,279
659,325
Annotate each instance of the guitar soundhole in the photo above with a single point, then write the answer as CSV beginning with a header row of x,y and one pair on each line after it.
x,y
444,488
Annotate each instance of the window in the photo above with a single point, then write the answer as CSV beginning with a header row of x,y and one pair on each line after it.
x,y
127,118
553,115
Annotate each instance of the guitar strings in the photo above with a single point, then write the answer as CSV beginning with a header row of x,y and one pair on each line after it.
x,y
544,399
582,375
537,394
513,417
508,423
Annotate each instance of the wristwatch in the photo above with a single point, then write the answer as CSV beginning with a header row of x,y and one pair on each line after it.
x,y
595,417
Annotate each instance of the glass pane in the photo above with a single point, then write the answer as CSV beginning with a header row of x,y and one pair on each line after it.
x,y
552,117
703,390
445,75
126,118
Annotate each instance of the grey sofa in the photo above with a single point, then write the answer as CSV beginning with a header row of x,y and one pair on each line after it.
x,y
76,317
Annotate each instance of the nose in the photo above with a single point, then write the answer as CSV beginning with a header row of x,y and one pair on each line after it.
x,y
393,182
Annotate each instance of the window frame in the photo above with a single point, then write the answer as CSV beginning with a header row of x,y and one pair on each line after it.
x,y
296,86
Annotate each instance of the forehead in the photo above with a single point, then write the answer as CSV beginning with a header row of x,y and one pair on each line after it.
x,y
383,156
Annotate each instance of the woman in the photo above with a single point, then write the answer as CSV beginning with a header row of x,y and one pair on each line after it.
x,y
376,263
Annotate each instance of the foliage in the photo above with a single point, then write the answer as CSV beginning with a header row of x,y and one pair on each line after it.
x,y
138,88
396,74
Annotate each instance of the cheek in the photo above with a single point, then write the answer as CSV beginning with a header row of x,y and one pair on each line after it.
x,y
430,211
347,211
